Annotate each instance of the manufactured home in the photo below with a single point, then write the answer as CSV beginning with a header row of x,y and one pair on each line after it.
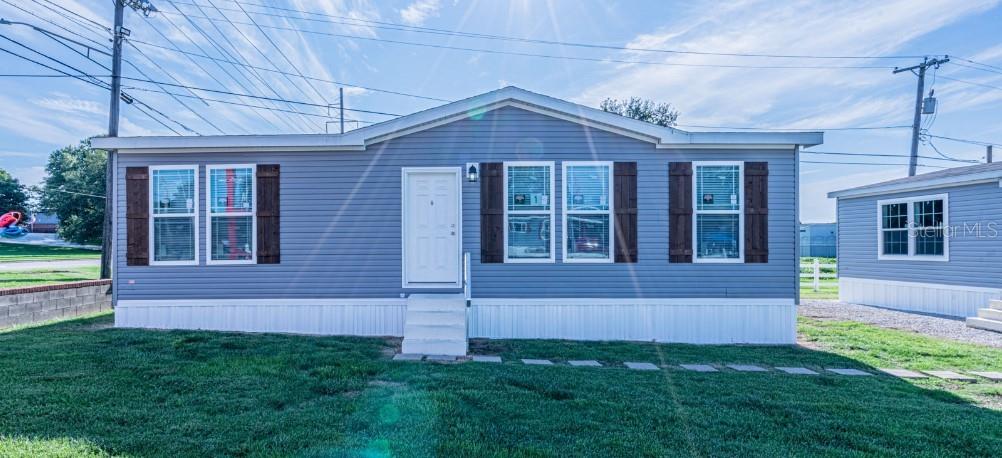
x,y
928,243
506,215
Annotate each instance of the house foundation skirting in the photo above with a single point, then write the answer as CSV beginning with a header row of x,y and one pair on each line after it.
x,y
940,299
698,321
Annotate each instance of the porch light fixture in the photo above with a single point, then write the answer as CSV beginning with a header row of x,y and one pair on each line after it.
x,y
472,174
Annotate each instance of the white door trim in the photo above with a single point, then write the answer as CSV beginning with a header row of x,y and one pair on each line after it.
x,y
404,203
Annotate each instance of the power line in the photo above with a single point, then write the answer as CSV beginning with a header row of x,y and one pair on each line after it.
x,y
989,70
835,153
340,83
963,140
794,129
989,86
550,56
978,63
871,163
403,27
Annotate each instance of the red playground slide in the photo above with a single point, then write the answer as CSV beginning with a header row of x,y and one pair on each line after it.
x,y
9,219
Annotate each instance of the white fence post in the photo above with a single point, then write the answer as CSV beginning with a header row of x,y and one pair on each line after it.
x,y
817,275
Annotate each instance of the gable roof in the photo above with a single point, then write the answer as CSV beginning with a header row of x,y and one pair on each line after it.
x,y
940,178
358,139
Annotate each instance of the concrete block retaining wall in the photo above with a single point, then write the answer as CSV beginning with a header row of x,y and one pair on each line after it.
x,y
19,306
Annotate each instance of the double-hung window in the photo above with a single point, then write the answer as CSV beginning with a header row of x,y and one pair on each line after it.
x,y
528,212
718,222
174,215
913,228
231,232
588,210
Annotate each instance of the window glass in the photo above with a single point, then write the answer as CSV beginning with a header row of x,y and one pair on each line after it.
x,y
232,238
717,236
174,239
896,242
929,228
230,190
895,216
717,187
588,236
529,187
173,191
528,236
173,210
587,187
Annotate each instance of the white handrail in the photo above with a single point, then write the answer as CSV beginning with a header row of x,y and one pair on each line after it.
x,y
466,275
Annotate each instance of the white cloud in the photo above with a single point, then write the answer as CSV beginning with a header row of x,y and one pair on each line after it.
x,y
420,11
28,176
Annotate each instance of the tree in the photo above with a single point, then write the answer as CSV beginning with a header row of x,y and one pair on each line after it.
x,y
74,191
13,194
658,113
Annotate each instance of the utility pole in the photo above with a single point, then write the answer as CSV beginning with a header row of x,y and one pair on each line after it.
x,y
988,154
120,32
916,124
340,93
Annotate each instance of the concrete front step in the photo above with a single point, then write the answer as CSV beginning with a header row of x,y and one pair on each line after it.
x,y
982,323
452,347
436,306
434,331
451,317
995,304
990,314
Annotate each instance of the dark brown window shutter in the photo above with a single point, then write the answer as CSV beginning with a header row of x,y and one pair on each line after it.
x,y
625,199
491,212
680,212
268,212
137,216
756,212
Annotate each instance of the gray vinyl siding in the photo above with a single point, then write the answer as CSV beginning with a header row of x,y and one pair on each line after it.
x,y
341,234
973,257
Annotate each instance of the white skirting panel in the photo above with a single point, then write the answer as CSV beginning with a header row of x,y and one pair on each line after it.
x,y
362,317
940,299
697,321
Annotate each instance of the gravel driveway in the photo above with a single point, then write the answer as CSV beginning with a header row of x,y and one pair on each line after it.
x,y
935,326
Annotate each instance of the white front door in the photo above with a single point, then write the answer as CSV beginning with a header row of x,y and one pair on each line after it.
x,y
431,227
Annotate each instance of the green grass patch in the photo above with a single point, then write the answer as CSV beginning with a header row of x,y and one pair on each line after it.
x,y
825,291
18,252
81,388
40,277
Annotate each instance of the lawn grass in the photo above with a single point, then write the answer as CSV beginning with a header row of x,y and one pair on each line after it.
x,y
827,291
40,277
18,252
80,388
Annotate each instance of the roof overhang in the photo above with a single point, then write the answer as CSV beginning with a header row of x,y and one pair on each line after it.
x,y
919,185
360,139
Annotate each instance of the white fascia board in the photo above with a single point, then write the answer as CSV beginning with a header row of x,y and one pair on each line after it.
x,y
509,96
921,185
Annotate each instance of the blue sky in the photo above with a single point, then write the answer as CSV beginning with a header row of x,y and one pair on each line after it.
x,y
43,114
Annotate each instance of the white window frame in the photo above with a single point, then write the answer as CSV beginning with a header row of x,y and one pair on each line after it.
x,y
912,229
154,216
696,198
553,206
567,211
209,214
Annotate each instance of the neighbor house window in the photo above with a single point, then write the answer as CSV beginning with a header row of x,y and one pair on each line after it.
x,y
588,211
174,214
231,229
528,211
913,228
719,205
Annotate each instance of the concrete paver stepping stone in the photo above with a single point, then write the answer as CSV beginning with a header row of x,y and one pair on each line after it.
x,y
747,368
950,375
641,366
585,363
904,373
538,362
486,359
993,376
407,357
797,370
699,367
440,358
851,372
